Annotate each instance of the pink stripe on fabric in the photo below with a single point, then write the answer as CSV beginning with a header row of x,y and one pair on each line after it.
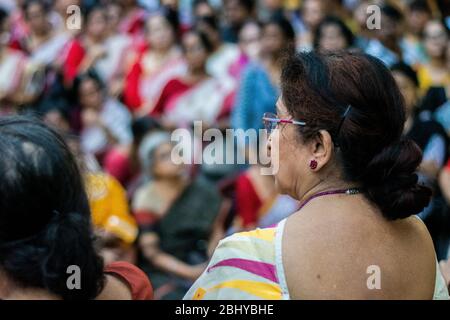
x,y
265,270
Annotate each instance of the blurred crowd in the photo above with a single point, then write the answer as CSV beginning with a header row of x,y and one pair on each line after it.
x,y
136,70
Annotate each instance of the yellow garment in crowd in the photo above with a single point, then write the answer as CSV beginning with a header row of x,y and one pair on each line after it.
x,y
109,207
425,80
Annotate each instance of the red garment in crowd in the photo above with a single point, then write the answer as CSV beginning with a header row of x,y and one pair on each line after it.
x,y
117,163
248,203
74,56
131,96
134,22
174,87
137,280
447,165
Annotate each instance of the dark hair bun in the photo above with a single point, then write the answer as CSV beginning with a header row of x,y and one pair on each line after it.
x,y
43,260
390,181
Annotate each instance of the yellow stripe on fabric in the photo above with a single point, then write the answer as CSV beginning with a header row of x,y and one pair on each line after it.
x,y
260,289
267,234
246,250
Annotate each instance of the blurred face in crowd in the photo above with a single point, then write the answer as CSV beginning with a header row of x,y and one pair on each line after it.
x,y
62,5
203,9
390,29
313,13
250,40
160,33
408,90
435,39
273,40
163,166
90,94
96,24
75,147
235,13
127,3
272,4
212,34
417,19
37,18
195,52
331,38
170,3
113,14
55,119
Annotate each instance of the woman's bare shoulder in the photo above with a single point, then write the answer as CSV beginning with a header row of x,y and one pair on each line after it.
x,y
334,254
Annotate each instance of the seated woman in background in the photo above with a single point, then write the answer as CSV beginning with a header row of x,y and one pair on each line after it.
x,y
435,72
106,123
259,86
249,42
223,54
176,215
95,49
436,102
45,225
46,48
153,65
44,45
311,13
188,98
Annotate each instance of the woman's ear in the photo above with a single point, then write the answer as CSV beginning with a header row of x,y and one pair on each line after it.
x,y
321,148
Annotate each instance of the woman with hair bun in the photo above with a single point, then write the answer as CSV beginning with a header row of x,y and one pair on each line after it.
x,y
45,223
337,143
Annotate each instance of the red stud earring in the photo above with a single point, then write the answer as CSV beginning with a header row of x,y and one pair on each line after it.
x,y
313,164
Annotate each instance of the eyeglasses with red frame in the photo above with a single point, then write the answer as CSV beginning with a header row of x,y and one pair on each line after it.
x,y
271,121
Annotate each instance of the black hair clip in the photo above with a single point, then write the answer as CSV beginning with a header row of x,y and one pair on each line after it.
x,y
344,115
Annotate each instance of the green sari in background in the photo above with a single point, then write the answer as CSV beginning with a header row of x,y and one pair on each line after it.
x,y
184,233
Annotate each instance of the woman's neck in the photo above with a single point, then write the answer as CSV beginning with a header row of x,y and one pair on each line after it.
x,y
392,44
195,76
273,59
39,38
217,45
173,183
92,40
129,9
162,52
273,66
323,186
11,291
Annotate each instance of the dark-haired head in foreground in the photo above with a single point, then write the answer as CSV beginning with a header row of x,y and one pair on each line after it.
x,y
44,213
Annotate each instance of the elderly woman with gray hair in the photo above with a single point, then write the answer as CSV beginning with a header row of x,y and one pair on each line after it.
x,y
176,215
